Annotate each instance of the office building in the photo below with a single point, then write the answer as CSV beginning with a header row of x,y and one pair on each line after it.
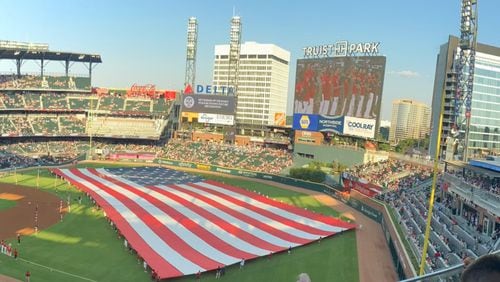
x,y
262,81
410,120
484,133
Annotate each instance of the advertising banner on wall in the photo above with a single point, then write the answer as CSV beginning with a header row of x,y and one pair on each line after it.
x,y
360,127
334,124
352,182
305,122
210,104
279,119
216,119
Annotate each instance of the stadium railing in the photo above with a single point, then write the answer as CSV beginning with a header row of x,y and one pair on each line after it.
x,y
451,273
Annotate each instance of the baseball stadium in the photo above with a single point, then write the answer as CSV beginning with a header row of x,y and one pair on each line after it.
x,y
145,184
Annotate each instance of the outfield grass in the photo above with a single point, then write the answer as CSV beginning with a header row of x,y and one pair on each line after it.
x,y
6,204
84,244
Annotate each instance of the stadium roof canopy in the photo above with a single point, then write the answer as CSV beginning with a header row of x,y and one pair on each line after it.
x,y
12,50
12,54
483,170
493,165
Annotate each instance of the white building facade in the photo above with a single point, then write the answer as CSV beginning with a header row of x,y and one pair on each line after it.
x,y
262,81
484,131
410,120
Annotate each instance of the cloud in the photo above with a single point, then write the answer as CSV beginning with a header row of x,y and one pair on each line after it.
x,y
405,73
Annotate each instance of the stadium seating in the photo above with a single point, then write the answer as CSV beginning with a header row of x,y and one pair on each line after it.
x,y
132,105
391,174
53,101
7,127
161,105
22,125
12,100
111,103
72,124
81,103
254,158
47,82
45,125
452,236
32,101
123,127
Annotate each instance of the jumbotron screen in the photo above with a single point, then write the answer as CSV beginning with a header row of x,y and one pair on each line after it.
x,y
340,86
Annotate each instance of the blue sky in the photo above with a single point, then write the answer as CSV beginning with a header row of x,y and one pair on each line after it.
x,y
144,41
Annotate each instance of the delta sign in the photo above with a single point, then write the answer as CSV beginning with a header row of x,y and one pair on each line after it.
x,y
210,89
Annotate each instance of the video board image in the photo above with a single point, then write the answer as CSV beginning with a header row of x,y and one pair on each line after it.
x,y
340,86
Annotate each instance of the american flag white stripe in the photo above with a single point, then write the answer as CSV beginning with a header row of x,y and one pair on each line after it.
x,y
291,209
239,220
274,235
269,208
257,217
146,234
180,229
285,218
167,219
174,240
198,218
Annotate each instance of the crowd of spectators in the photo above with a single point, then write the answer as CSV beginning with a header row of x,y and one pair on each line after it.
x,y
26,81
63,101
53,101
110,147
10,160
491,185
72,125
29,154
392,174
256,158
454,235
11,101
138,105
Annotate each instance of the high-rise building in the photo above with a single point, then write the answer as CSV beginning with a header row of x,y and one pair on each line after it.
x,y
262,81
410,120
484,133
384,128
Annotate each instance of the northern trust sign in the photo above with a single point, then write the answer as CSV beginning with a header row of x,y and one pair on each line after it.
x,y
342,48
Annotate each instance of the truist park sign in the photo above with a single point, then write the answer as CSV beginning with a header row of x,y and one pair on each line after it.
x,y
342,48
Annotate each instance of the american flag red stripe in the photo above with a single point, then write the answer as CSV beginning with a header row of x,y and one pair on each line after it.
x,y
183,220
244,218
264,212
180,229
223,224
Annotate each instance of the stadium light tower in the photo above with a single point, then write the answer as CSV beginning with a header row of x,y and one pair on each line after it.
x,y
464,69
234,53
192,42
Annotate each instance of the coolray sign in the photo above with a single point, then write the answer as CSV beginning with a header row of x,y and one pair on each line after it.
x,y
361,127
210,104
216,119
214,89
333,124
342,48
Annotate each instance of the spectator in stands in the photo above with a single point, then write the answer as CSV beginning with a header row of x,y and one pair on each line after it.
x,y
256,158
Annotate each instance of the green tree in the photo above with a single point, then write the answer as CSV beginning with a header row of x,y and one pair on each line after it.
x,y
307,173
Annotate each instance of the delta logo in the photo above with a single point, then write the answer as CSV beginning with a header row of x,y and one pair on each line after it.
x,y
304,122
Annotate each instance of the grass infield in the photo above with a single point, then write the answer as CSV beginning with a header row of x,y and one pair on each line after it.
x,y
6,204
85,246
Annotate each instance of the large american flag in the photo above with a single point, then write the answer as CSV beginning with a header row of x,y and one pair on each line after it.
x,y
181,224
